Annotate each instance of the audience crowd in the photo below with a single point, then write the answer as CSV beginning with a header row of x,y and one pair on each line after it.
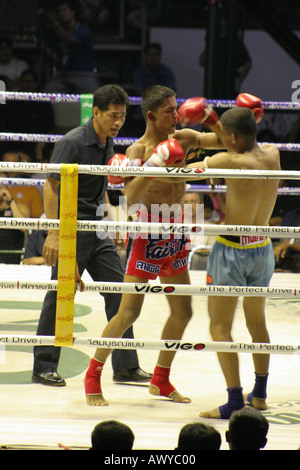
x,y
247,429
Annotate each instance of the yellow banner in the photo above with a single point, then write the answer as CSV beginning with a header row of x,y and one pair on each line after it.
x,y
66,283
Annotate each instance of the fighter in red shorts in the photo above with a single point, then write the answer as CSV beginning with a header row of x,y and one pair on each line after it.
x,y
156,255
151,256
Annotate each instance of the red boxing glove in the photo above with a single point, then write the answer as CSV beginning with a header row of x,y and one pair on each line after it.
x,y
196,111
245,100
123,161
167,152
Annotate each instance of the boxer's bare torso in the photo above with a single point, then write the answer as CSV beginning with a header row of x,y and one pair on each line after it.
x,y
248,201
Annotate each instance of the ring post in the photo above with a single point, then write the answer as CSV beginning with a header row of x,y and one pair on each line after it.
x,y
66,287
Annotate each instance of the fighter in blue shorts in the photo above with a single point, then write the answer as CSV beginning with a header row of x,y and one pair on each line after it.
x,y
242,261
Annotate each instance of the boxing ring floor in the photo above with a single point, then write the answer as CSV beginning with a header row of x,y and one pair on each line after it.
x,y
41,416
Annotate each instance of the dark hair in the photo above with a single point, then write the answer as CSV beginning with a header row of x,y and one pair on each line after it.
x,y
6,40
248,429
241,122
153,98
110,94
30,72
72,4
153,45
12,150
112,435
199,436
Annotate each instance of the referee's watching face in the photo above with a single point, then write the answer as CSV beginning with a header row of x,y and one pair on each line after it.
x,y
109,122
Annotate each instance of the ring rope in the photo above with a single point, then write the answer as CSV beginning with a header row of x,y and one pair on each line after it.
x,y
125,141
221,188
134,100
64,322
21,182
167,345
154,228
178,172
165,289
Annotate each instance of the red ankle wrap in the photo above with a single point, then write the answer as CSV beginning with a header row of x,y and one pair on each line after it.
x,y
160,380
92,378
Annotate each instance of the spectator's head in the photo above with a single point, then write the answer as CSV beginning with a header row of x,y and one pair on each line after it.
x,y
66,11
112,435
199,436
193,205
247,430
153,55
12,156
28,81
5,50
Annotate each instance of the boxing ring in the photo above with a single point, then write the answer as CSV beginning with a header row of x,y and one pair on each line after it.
x,y
36,415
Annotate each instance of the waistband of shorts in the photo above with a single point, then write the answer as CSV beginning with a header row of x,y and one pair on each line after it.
x,y
243,241
149,217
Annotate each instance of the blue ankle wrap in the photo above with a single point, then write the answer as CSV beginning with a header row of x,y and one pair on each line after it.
x,y
235,402
260,387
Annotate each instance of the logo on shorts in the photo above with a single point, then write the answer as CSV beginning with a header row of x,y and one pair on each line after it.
x,y
180,263
150,268
167,249
209,279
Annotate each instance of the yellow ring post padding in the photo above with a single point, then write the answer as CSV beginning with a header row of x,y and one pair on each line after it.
x,y
64,323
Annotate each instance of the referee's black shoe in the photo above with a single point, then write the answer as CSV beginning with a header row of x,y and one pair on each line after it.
x,y
131,375
48,378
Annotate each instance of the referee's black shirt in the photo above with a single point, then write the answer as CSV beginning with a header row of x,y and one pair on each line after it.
x,y
82,146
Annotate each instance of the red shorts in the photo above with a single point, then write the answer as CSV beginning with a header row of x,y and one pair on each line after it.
x,y
155,255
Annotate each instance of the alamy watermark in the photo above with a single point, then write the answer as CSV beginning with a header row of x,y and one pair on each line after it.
x,y
165,214
296,94
2,92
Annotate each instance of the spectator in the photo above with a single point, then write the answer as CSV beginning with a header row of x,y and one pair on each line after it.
x,y
153,72
101,16
34,247
74,55
10,239
198,436
43,155
134,18
112,435
247,430
284,203
287,252
10,66
28,195
195,213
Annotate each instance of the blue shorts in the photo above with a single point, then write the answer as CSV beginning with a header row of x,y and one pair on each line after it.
x,y
241,261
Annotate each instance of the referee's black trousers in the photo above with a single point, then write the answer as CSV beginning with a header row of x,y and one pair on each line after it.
x,y
100,258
